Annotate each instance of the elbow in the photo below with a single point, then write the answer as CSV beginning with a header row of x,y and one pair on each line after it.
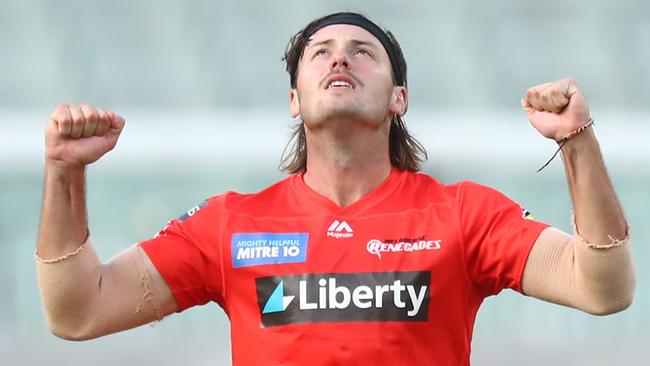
x,y
613,303
609,307
70,330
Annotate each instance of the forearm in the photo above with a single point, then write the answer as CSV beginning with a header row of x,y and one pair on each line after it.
x,y
604,272
598,214
68,274
64,224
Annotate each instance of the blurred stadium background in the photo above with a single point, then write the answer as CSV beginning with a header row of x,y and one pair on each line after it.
x,y
204,92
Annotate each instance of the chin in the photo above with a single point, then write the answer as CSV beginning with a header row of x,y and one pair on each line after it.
x,y
342,118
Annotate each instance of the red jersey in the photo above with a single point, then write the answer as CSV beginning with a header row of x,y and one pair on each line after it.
x,y
394,278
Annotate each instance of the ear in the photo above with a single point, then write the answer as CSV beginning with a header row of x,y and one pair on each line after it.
x,y
399,100
294,103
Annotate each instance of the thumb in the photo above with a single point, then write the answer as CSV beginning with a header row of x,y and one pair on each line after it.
x,y
571,89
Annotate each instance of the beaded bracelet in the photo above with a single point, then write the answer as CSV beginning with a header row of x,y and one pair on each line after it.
x,y
565,139
59,259
613,242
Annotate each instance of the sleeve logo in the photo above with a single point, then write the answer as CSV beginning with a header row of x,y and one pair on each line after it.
x,y
193,210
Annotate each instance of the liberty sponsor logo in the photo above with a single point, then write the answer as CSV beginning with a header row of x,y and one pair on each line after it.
x,y
340,229
344,297
254,249
408,245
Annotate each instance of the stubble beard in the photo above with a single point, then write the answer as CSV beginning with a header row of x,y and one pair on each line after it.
x,y
340,117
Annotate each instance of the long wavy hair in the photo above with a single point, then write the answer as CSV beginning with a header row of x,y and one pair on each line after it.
x,y
406,153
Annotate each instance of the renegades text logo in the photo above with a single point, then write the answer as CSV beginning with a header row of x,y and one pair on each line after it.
x,y
344,297
407,245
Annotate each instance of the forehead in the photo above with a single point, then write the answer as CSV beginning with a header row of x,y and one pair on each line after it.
x,y
344,32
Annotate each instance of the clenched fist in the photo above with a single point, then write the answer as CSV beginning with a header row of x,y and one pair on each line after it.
x,y
78,135
556,108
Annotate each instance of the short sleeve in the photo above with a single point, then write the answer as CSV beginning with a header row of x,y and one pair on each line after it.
x,y
497,234
187,254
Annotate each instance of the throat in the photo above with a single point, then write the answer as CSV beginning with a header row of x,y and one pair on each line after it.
x,y
344,185
346,159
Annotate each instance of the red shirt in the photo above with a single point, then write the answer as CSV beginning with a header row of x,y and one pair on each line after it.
x,y
394,278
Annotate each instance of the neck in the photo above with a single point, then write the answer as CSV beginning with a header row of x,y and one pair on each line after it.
x,y
344,166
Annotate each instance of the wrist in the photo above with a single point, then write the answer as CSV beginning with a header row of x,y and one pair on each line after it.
x,y
64,167
584,141
581,139
65,173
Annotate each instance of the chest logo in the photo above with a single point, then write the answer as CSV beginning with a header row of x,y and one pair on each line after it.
x,y
344,297
254,249
377,247
340,229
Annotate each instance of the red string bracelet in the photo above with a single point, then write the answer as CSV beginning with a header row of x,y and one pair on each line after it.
x,y
565,139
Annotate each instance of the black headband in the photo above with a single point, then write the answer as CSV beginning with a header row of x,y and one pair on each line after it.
x,y
360,21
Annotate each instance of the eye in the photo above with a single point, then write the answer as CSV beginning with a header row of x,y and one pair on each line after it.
x,y
320,52
363,52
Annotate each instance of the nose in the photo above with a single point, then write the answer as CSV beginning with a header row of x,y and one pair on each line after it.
x,y
340,60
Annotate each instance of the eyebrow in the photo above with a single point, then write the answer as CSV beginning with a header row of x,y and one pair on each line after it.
x,y
356,42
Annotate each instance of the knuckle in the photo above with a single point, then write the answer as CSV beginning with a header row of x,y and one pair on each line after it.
x,y
59,111
92,115
78,120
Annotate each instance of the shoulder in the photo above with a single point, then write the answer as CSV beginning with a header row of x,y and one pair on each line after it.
x,y
468,191
265,202
463,192
423,184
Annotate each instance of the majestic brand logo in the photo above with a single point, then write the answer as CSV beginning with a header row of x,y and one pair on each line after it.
x,y
254,249
340,229
408,245
344,297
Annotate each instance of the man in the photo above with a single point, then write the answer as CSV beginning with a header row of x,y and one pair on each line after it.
x,y
354,257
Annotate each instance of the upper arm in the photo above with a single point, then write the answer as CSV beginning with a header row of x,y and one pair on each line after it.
x,y
131,293
162,294
563,270
548,272
86,299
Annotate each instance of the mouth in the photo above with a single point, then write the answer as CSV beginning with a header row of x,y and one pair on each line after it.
x,y
340,81
339,84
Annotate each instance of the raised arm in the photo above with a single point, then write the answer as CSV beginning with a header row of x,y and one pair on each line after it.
x,y
84,298
591,270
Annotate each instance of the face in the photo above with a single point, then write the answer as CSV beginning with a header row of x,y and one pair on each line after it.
x,y
345,75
